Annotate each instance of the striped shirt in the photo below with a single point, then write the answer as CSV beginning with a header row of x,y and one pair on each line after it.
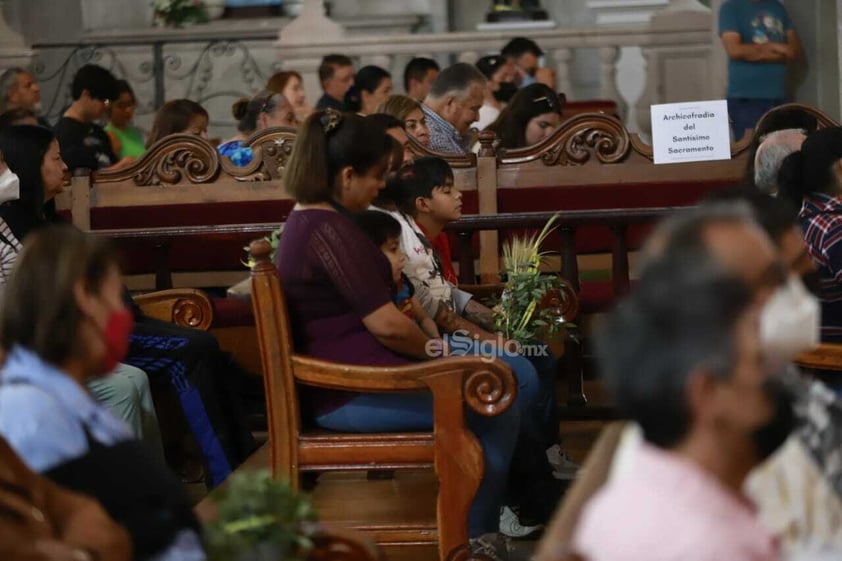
x,y
9,249
444,138
821,221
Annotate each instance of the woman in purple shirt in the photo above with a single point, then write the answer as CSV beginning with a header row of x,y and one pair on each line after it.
x,y
336,282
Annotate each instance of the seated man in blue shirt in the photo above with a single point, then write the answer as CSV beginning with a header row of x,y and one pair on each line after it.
x,y
759,39
452,106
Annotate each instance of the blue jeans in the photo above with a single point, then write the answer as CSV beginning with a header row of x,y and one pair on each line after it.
x,y
414,412
745,113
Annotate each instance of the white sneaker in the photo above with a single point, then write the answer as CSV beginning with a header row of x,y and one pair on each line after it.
x,y
510,525
563,467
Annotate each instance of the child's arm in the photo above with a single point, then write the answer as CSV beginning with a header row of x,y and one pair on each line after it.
x,y
428,326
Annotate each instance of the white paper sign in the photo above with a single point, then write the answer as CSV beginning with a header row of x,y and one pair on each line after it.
x,y
691,132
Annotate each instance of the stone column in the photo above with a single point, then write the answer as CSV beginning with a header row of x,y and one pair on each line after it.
x,y
13,49
608,57
563,58
311,24
718,56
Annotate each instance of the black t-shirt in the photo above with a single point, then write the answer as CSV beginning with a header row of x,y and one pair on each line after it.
x,y
84,145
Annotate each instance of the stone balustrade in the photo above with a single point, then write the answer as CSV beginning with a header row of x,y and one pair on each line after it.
x,y
218,62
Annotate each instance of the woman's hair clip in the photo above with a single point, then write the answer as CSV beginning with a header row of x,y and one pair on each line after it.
x,y
550,101
331,119
265,102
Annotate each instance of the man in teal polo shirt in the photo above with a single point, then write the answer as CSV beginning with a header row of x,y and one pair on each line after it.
x,y
759,39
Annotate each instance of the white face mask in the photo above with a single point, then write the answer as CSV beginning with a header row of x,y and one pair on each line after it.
x,y
790,321
9,186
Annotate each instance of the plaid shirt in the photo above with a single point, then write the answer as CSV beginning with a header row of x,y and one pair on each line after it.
x,y
821,220
444,138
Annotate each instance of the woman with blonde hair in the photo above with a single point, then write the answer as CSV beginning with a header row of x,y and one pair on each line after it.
x,y
409,111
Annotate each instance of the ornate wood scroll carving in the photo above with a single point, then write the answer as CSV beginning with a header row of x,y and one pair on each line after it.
x,y
576,141
456,161
271,149
183,306
179,158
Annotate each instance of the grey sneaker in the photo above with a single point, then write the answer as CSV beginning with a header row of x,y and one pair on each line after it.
x,y
495,547
563,467
510,525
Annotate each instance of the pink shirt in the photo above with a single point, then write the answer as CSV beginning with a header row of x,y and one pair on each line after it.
x,y
669,509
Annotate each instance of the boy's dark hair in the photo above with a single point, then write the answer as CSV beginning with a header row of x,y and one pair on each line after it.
x,y
429,172
520,46
329,65
378,226
100,83
416,69
385,121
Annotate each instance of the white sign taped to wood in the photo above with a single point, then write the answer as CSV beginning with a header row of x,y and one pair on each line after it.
x,y
691,132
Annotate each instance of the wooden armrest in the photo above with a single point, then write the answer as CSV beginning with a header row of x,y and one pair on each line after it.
x,y
186,307
488,387
827,356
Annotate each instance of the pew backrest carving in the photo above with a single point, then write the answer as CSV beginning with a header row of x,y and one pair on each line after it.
x,y
186,169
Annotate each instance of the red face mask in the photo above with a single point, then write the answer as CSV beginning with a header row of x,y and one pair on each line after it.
x,y
116,334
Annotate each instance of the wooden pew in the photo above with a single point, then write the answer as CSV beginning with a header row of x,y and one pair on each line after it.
x,y
183,182
590,163
457,384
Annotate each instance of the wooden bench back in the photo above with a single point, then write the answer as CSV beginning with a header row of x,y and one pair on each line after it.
x,y
183,169
182,181
590,163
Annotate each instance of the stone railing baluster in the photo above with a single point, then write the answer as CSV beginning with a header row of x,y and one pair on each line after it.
x,y
608,57
562,58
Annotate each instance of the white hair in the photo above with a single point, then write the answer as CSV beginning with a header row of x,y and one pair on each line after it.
x,y
776,146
